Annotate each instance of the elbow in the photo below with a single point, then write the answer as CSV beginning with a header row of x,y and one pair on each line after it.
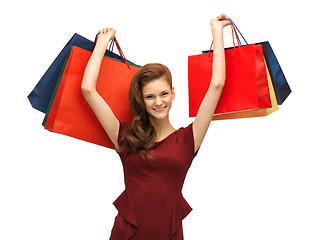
x,y
86,86
86,90
217,83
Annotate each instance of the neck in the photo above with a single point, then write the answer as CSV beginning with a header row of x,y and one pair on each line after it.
x,y
161,126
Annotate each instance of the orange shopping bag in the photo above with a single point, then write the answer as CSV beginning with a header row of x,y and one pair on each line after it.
x,y
71,115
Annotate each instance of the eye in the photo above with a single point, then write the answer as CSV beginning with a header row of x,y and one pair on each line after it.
x,y
164,93
149,97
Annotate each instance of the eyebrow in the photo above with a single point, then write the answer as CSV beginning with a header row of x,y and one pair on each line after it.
x,y
148,94
167,90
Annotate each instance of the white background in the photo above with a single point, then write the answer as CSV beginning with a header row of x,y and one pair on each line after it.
x,y
253,178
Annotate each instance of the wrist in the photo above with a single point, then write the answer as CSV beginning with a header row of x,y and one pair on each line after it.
x,y
217,32
217,27
103,40
102,44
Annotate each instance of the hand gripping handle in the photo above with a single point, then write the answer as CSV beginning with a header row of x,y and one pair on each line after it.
x,y
111,47
234,28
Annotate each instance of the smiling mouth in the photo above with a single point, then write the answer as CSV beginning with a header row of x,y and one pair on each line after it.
x,y
159,109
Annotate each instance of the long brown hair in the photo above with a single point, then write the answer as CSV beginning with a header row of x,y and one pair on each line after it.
x,y
139,136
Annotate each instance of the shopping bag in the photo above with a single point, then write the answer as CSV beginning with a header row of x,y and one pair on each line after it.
x,y
280,84
246,84
256,112
42,92
71,115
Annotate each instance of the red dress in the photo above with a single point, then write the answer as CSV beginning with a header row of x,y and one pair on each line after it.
x,y
152,206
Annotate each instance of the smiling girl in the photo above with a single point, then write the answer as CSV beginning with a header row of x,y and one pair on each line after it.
x,y
155,156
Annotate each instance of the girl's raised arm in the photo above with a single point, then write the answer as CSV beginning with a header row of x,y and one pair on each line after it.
x,y
88,86
211,99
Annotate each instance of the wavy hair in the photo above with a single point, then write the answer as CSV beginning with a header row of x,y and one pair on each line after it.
x,y
139,136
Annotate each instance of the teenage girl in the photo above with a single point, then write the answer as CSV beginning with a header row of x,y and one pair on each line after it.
x,y
155,156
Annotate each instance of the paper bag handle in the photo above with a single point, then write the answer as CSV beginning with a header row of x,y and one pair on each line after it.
x,y
237,30
233,26
122,55
233,32
111,48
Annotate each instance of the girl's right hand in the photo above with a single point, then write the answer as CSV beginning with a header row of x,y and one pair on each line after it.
x,y
107,33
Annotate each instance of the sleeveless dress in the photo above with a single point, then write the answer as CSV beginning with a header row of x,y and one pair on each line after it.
x,y
152,206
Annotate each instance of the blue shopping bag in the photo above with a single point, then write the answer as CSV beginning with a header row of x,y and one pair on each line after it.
x,y
280,84
41,94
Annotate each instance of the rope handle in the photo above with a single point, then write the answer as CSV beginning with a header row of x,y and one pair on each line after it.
x,y
111,48
234,28
233,33
122,55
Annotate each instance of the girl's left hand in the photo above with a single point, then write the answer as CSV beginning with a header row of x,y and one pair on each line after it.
x,y
220,23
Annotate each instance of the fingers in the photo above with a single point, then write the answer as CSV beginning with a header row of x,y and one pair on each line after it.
x,y
222,16
219,22
106,30
107,33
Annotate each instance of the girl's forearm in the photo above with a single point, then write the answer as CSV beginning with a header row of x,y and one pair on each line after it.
x,y
218,63
93,66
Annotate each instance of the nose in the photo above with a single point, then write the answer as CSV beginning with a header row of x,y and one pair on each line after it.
x,y
158,101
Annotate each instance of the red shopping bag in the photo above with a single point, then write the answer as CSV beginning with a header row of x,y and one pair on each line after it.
x,y
255,112
71,115
246,84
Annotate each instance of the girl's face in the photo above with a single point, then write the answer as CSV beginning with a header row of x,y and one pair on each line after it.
x,y
158,97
